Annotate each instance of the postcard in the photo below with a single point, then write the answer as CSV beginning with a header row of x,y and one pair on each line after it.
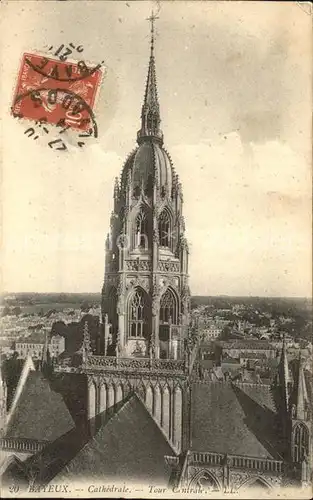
x,y
156,305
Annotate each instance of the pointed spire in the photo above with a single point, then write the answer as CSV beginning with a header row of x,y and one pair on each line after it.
x,y
150,113
86,347
45,358
284,372
3,399
302,395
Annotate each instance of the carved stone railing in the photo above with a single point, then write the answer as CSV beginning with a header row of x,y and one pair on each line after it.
x,y
22,445
138,265
140,364
258,464
167,266
236,461
167,364
205,458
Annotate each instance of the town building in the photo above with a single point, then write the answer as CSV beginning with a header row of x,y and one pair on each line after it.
x,y
239,347
212,333
32,346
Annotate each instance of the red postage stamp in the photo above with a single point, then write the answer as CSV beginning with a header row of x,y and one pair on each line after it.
x,y
61,93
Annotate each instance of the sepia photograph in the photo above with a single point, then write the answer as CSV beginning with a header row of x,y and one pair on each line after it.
x,y
156,284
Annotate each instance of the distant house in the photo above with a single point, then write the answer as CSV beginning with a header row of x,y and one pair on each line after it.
x,y
212,333
235,348
30,346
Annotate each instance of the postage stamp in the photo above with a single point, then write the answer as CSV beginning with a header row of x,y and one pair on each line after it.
x,y
59,92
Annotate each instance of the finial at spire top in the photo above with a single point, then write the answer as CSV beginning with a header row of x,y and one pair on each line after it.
x,y
152,20
150,113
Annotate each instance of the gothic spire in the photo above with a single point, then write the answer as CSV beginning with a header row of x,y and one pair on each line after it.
x,y
45,355
284,372
86,345
150,112
302,396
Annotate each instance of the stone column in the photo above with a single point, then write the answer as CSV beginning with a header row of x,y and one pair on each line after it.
x,y
121,312
155,329
91,417
166,411
106,328
177,418
157,404
170,346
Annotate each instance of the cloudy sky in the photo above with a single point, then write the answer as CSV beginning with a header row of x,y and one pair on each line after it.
x,y
234,83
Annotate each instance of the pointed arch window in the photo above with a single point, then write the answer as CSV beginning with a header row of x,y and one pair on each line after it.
x,y
138,318
141,230
164,229
301,442
168,308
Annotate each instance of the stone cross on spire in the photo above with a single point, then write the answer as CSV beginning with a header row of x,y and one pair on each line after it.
x,y
150,113
152,20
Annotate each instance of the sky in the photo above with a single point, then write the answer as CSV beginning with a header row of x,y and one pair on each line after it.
x,y
234,83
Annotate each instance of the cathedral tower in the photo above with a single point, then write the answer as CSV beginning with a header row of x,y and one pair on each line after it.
x,y
145,296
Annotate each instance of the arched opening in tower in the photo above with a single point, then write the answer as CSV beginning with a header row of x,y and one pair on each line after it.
x,y
168,319
138,315
141,230
165,229
300,442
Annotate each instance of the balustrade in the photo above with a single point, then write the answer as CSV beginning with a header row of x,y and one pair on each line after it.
x,y
115,363
236,461
20,444
138,265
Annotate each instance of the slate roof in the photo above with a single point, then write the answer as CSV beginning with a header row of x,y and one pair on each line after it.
x,y
129,446
246,344
40,413
234,419
262,395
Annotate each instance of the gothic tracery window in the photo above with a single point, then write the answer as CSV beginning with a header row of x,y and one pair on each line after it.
x,y
164,229
138,315
168,308
301,442
141,230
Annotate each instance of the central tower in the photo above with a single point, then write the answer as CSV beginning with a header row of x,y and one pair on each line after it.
x,y
145,296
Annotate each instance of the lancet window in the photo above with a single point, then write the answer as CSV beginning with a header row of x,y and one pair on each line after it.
x,y
164,229
168,308
301,442
138,323
141,230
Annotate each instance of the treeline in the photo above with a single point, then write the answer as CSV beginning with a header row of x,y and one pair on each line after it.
x,y
46,298
73,333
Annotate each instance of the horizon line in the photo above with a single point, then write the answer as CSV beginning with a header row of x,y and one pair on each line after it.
x,y
191,295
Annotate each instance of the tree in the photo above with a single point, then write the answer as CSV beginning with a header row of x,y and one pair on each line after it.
x,y
16,310
85,306
6,311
